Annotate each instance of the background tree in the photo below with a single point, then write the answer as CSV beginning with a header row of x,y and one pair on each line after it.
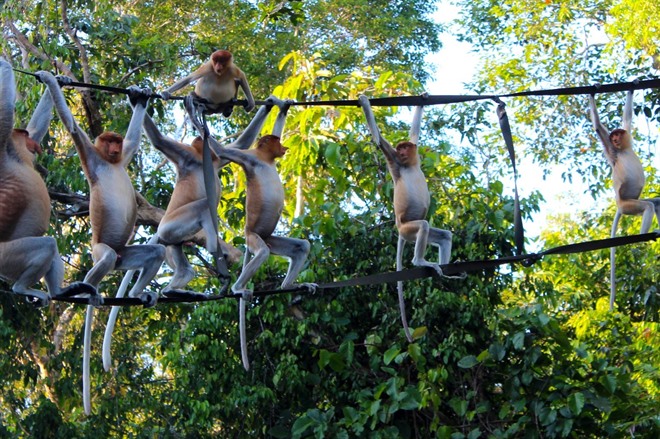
x,y
528,352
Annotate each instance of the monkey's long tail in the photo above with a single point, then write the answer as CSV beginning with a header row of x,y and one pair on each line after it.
x,y
87,342
241,319
615,224
399,285
112,319
241,330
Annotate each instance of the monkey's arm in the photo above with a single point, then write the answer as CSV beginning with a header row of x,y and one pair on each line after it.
x,y
83,144
139,99
178,85
172,149
628,112
247,161
416,125
376,137
280,120
602,132
243,83
40,120
250,134
7,103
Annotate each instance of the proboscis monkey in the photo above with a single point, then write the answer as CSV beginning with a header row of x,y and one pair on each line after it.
x,y
627,175
26,255
218,80
263,208
112,206
187,212
411,200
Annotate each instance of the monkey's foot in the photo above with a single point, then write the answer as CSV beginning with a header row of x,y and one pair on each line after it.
x,y
77,288
195,109
227,111
461,276
148,298
246,295
424,263
95,300
438,270
37,298
81,290
311,287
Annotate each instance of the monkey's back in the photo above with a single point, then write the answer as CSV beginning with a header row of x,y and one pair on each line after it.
x,y
24,201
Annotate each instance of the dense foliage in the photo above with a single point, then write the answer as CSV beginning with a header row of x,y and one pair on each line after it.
x,y
512,352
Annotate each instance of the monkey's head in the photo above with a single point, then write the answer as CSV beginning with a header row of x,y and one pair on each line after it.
x,y
221,59
109,145
198,145
21,138
406,152
272,145
620,139
25,147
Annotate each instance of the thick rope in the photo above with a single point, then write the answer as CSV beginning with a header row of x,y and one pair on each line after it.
x,y
408,101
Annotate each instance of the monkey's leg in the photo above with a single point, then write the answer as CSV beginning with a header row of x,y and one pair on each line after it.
x,y
25,261
294,249
148,258
442,239
418,232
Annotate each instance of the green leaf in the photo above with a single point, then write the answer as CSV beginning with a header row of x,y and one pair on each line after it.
x,y
391,354
609,382
576,403
459,406
468,362
301,425
419,332
519,340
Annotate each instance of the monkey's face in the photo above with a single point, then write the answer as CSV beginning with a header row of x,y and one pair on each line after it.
x,y
405,152
109,145
111,150
221,60
277,148
219,67
619,139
